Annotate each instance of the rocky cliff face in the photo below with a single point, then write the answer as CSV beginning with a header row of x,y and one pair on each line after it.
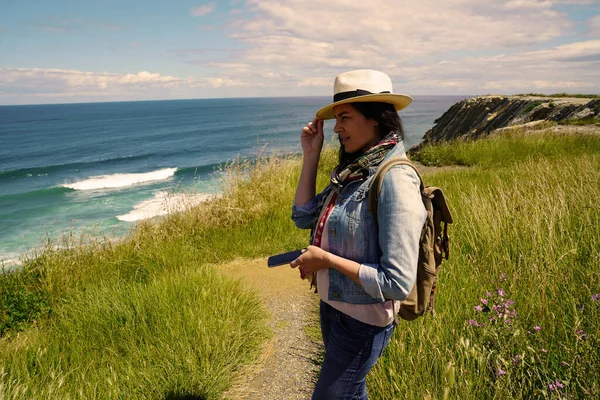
x,y
479,116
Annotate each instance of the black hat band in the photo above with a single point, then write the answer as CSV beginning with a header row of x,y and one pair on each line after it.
x,y
354,93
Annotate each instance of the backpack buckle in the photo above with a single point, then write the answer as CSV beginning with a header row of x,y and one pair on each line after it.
x,y
446,246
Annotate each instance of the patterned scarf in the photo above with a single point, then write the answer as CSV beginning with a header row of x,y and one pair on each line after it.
x,y
342,175
359,168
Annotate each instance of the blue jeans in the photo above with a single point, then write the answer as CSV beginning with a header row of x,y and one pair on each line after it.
x,y
351,350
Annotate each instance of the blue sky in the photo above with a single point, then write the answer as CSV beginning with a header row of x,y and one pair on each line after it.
x,y
105,50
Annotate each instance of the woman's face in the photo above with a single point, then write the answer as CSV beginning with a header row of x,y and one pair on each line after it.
x,y
356,132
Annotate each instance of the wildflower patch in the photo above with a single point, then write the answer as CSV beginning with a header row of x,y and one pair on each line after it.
x,y
520,357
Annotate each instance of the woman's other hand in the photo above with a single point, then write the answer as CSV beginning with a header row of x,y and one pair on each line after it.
x,y
311,260
312,143
312,137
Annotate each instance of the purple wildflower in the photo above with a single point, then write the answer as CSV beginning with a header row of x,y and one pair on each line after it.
x,y
500,372
507,321
559,384
500,292
552,387
537,328
484,301
596,297
503,277
472,322
478,308
517,359
582,335
488,294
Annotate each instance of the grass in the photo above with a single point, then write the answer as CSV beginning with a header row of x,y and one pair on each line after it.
x,y
179,335
560,95
527,227
530,107
512,147
584,121
147,317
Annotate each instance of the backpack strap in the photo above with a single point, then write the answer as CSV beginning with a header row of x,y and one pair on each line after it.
x,y
433,193
377,182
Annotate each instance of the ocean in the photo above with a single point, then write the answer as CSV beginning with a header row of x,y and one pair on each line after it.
x,y
98,168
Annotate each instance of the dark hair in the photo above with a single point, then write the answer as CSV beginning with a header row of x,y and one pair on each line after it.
x,y
389,125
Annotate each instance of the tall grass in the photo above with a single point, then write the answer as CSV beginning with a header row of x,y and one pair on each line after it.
x,y
144,317
517,309
179,335
512,146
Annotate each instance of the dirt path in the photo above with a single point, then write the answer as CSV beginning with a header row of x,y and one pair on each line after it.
x,y
290,360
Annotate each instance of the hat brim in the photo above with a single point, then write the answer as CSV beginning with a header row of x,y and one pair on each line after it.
x,y
399,101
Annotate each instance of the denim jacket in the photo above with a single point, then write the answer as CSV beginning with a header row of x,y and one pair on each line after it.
x,y
387,249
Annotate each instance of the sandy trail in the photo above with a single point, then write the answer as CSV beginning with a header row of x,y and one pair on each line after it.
x,y
290,361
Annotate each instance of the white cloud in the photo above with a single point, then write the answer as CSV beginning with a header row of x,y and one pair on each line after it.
x,y
466,45
86,86
322,82
412,29
575,2
563,68
220,82
344,34
203,10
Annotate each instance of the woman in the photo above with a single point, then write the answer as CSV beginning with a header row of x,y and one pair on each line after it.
x,y
363,267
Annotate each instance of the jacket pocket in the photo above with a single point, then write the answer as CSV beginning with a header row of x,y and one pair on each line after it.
x,y
358,223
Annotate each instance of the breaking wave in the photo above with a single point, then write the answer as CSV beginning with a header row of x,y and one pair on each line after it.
x,y
121,180
163,203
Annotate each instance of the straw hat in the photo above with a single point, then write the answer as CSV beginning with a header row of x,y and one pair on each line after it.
x,y
363,85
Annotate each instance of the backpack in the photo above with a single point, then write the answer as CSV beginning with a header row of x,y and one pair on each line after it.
x,y
433,244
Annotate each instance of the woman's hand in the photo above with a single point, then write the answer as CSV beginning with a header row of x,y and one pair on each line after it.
x,y
311,260
312,137
315,258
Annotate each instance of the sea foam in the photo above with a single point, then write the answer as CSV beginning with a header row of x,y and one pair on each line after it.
x,y
121,180
10,261
163,203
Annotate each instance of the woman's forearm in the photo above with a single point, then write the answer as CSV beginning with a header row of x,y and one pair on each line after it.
x,y
308,179
345,266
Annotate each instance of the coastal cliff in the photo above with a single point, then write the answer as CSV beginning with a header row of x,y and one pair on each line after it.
x,y
479,116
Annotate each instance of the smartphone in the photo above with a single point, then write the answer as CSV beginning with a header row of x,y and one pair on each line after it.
x,y
284,258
